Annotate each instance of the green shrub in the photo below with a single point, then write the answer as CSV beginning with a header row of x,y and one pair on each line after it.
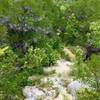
x,y
79,15
53,47
41,57
95,33
86,94
12,80
93,72
88,71
53,56
35,57
46,18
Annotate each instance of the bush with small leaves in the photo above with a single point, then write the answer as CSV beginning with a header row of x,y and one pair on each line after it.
x,y
12,80
89,71
95,33
88,94
35,57
40,57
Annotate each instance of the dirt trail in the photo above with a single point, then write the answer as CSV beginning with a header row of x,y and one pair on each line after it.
x,y
69,53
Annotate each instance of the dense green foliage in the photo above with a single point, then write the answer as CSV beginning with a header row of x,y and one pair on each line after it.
x,y
78,18
36,32
89,72
95,34
85,94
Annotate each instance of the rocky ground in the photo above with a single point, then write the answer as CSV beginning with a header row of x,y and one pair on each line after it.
x,y
51,87
55,86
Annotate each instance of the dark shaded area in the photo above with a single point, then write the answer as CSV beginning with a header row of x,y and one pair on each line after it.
x,y
89,50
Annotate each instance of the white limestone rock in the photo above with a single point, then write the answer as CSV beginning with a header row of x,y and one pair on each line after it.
x,y
74,86
62,68
31,92
30,98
